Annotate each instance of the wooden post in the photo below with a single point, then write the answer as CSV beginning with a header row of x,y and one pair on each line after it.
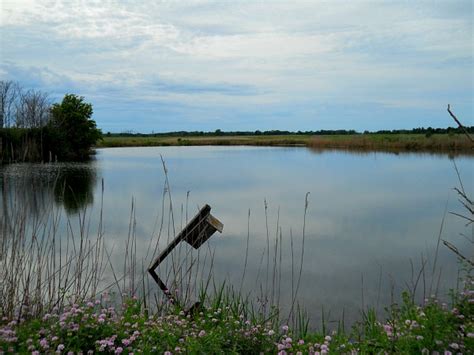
x,y
195,233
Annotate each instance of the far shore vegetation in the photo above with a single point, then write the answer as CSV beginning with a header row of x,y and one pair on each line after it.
x,y
449,140
33,129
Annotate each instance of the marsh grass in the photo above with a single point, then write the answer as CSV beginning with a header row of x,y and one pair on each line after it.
x,y
61,290
395,143
443,143
49,257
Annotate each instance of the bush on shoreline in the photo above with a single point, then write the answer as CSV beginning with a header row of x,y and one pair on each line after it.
x,y
68,134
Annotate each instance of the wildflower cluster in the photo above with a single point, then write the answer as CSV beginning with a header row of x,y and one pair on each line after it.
x,y
97,327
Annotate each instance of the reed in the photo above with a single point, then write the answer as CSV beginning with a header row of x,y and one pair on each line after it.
x,y
50,261
443,143
395,143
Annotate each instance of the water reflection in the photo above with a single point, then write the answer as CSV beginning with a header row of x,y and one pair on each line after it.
x,y
36,187
74,188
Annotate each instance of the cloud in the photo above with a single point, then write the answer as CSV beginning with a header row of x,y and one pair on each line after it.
x,y
231,61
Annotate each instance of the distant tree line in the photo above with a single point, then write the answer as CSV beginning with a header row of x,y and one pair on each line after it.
x,y
32,128
422,130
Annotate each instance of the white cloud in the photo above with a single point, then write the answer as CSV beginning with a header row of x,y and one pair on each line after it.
x,y
294,52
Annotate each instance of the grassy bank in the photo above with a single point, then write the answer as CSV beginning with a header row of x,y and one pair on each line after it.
x,y
395,142
365,142
148,141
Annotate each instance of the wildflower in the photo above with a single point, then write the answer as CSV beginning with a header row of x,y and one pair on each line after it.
x,y
202,333
419,337
44,343
327,338
470,335
285,328
119,350
301,342
281,347
271,332
167,353
60,347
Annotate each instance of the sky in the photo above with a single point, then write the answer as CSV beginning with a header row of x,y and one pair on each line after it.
x,y
158,66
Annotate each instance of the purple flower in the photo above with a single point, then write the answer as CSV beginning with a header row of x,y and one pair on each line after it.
x,y
44,343
285,328
60,347
119,350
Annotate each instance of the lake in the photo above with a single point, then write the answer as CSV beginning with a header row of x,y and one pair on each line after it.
x,y
369,221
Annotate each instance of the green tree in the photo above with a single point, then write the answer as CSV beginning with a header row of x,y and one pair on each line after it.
x,y
72,131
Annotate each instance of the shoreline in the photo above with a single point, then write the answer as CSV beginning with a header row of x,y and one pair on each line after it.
x,y
390,143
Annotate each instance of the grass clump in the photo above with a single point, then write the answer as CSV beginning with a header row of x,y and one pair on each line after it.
x,y
230,327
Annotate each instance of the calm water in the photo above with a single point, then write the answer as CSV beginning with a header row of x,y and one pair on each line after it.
x,y
368,218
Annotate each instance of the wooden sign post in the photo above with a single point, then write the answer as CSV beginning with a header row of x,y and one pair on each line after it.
x,y
196,232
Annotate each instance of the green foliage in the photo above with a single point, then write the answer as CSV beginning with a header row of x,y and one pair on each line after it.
x,y
228,326
71,129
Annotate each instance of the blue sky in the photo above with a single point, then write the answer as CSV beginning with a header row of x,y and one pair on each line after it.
x,y
247,65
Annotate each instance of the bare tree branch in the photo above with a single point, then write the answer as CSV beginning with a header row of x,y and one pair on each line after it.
x,y
459,124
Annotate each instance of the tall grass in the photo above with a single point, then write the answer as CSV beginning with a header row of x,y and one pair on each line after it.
x,y
457,143
49,258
